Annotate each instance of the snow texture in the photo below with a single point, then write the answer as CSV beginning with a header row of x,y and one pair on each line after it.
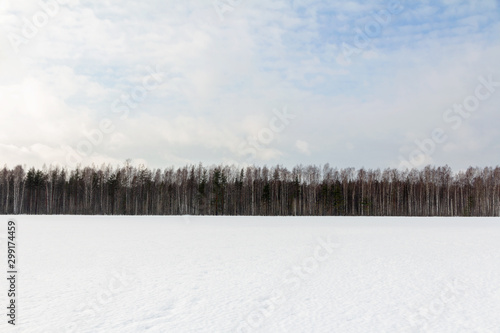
x,y
255,274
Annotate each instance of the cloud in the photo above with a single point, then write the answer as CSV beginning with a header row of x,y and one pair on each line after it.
x,y
302,147
222,79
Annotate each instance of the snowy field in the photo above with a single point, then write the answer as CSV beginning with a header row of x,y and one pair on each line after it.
x,y
248,274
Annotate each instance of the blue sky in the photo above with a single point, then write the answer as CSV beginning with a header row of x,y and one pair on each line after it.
x,y
173,82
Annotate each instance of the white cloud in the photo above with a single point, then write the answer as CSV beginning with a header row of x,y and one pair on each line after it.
x,y
223,79
302,147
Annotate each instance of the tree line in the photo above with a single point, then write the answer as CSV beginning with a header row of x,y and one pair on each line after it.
x,y
251,190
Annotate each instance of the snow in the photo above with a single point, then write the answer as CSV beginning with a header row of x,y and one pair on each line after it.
x,y
255,274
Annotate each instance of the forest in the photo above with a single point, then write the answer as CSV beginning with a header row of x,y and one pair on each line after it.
x,y
251,190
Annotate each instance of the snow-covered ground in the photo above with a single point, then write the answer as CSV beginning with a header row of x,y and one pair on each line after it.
x,y
248,274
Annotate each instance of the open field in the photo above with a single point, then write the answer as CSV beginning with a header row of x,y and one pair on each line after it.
x,y
254,274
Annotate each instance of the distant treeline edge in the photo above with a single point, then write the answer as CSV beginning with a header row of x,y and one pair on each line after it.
x,y
250,190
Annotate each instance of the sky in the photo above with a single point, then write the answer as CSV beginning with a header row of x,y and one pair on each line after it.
x,y
396,84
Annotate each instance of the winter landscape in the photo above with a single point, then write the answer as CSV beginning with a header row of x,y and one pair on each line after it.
x,y
257,274
284,166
